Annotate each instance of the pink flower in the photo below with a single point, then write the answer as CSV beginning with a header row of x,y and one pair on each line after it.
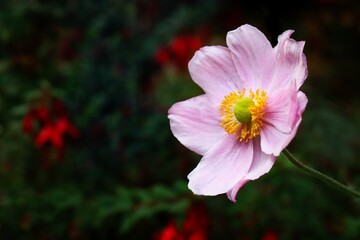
x,y
249,113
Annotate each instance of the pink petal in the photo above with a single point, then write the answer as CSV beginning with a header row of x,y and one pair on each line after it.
x,y
272,140
291,66
302,101
213,70
222,167
279,110
232,193
253,55
301,97
196,123
260,165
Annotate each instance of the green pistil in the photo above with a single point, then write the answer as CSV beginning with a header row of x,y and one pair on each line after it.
x,y
242,111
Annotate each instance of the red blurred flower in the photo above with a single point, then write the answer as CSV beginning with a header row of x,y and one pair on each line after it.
x,y
179,51
270,235
196,223
64,126
27,123
54,133
194,227
183,49
43,114
54,126
170,232
49,134
162,56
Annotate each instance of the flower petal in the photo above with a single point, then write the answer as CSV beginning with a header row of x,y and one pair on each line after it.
x,y
253,55
222,167
272,140
213,70
302,102
260,165
196,123
280,111
233,192
291,66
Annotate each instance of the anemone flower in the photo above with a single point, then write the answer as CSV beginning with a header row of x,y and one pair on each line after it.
x,y
249,113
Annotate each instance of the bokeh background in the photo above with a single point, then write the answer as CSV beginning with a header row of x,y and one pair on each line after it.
x,y
85,146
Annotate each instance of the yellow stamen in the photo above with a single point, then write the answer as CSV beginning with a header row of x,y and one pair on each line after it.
x,y
235,109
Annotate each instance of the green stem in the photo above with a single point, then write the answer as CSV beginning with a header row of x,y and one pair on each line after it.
x,y
320,175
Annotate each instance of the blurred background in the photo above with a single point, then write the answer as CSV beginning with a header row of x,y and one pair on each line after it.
x,y
85,146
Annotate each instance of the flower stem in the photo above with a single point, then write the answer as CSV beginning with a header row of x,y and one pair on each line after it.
x,y
320,175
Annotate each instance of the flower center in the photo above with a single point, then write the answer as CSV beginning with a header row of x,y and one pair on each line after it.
x,y
242,115
241,110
